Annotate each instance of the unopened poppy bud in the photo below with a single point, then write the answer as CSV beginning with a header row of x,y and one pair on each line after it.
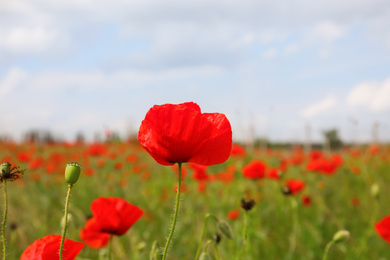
x,y
72,172
5,167
204,256
225,229
375,190
341,236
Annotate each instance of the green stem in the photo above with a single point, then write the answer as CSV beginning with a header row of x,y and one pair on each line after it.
x,y
109,248
175,213
202,234
65,219
245,235
330,243
217,257
207,245
4,220
293,236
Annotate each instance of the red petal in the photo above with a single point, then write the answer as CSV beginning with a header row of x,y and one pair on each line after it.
x,y
92,235
115,215
103,210
181,133
129,215
383,228
48,247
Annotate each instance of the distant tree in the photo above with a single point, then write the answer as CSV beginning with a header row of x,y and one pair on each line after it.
x,y
332,139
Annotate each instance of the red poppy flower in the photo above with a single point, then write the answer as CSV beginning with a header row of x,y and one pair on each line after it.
x,y
295,186
181,133
383,228
306,200
111,216
233,214
273,174
48,247
254,170
199,173
238,150
97,149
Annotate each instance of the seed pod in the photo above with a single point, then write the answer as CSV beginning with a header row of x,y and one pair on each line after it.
x,y
72,172
5,167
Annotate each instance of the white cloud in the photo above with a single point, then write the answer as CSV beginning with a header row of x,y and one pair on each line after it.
x,y
319,107
372,95
12,80
270,53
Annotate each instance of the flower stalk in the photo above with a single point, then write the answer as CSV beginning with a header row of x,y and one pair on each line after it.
x,y
175,213
4,220
65,219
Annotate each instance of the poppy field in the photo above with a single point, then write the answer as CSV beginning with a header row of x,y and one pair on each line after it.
x,y
235,202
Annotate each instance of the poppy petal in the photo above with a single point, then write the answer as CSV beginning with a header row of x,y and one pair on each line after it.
x,y
48,247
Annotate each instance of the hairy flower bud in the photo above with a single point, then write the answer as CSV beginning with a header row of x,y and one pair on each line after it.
x,y
72,172
225,229
341,236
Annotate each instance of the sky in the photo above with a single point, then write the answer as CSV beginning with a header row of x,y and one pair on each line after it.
x,y
277,69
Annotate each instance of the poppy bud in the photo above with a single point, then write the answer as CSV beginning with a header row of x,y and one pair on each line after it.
x,y
341,236
72,172
225,229
204,256
5,167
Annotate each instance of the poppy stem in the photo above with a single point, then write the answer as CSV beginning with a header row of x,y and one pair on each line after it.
x,y
328,246
65,219
202,234
175,213
245,241
293,236
4,220
217,257
109,248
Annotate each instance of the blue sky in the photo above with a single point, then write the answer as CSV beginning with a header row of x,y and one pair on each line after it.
x,y
273,67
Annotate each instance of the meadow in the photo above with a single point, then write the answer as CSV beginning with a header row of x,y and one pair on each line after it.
x,y
351,195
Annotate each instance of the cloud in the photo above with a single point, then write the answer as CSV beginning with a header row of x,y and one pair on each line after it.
x,y
270,53
319,107
12,80
372,95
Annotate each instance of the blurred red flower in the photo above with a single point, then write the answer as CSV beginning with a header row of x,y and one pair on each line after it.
x,y
383,228
254,170
181,133
97,149
48,247
306,200
355,202
233,214
295,186
273,174
199,172
237,150
111,216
